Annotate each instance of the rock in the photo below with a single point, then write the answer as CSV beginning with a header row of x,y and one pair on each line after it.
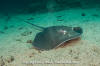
x,y
26,33
20,28
83,14
1,32
31,55
9,59
5,28
95,15
29,41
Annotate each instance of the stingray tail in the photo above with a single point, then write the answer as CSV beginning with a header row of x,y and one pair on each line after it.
x,y
42,28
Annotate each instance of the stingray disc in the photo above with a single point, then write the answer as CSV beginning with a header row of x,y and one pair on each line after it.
x,y
54,36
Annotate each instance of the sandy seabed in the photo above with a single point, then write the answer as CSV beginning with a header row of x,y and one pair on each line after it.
x,y
16,37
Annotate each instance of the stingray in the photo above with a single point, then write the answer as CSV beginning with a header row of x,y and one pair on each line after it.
x,y
54,36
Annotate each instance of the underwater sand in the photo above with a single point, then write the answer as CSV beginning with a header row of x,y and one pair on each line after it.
x,y
16,37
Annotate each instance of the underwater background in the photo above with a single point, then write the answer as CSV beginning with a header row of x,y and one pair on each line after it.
x,y
16,36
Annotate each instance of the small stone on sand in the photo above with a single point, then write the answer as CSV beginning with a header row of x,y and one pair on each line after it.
x,y
29,41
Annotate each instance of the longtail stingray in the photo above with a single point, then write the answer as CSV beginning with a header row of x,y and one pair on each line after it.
x,y
54,36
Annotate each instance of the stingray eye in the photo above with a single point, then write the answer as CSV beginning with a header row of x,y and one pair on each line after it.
x,y
78,29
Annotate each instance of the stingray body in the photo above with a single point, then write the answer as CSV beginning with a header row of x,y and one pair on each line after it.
x,y
54,36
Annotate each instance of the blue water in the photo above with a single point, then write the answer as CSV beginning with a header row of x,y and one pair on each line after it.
x,y
16,36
